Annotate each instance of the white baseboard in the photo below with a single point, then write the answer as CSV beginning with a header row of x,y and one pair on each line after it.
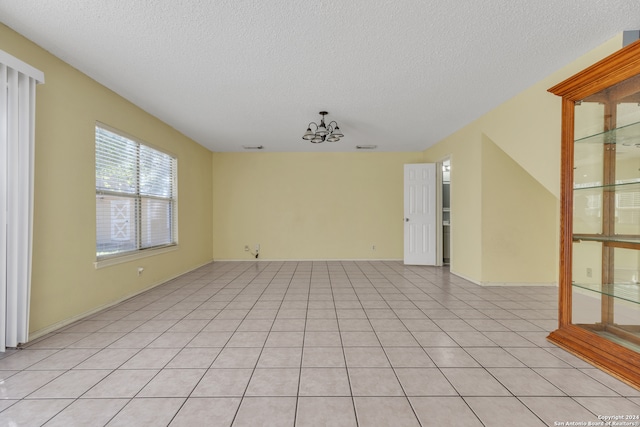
x,y
303,259
504,283
462,276
42,332
515,284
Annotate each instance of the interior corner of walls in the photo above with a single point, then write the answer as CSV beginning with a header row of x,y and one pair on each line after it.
x,y
486,139
465,277
493,152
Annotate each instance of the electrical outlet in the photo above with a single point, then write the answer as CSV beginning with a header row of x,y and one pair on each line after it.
x,y
373,247
140,270
258,247
246,248
589,272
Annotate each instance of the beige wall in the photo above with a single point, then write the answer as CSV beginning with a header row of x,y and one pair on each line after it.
x,y
513,251
309,205
526,129
65,283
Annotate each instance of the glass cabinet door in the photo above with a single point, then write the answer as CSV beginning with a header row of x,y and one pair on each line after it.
x,y
605,273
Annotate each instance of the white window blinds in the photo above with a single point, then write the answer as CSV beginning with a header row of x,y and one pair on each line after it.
x,y
136,201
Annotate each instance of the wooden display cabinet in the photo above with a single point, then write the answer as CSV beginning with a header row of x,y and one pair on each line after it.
x,y
599,317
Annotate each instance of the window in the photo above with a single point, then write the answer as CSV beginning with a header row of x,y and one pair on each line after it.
x,y
136,201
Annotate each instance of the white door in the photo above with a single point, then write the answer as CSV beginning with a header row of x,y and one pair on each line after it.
x,y
420,214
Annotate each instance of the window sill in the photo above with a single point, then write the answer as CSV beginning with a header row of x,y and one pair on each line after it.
x,y
132,257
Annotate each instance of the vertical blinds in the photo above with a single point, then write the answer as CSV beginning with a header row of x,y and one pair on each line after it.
x,y
135,195
18,82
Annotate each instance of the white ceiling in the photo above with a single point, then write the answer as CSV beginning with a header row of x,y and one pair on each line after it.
x,y
401,74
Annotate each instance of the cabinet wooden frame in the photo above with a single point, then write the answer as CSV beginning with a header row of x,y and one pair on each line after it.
x,y
620,361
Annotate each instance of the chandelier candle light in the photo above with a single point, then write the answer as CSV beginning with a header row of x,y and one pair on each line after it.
x,y
330,133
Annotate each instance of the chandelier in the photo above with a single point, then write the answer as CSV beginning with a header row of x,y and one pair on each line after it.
x,y
329,133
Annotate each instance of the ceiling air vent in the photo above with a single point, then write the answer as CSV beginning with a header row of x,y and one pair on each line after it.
x,y
253,147
366,147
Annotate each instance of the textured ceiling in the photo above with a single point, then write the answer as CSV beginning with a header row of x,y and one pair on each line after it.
x,y
401,74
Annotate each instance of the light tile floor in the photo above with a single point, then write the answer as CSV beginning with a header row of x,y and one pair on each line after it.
x,y
311,344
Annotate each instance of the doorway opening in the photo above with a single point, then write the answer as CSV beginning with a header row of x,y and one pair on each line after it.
x,y
446,211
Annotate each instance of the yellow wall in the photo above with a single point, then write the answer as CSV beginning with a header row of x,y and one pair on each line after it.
x,y
309,205
513,250
65,283
527,129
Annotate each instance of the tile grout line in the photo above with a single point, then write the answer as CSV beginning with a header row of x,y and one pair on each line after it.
x,y
344,355
387,356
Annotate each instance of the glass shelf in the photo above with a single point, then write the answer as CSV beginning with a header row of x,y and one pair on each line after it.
x,y
627,136
624,291
604,239
623,185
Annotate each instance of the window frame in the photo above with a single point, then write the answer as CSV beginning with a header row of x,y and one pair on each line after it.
x,y
138,198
